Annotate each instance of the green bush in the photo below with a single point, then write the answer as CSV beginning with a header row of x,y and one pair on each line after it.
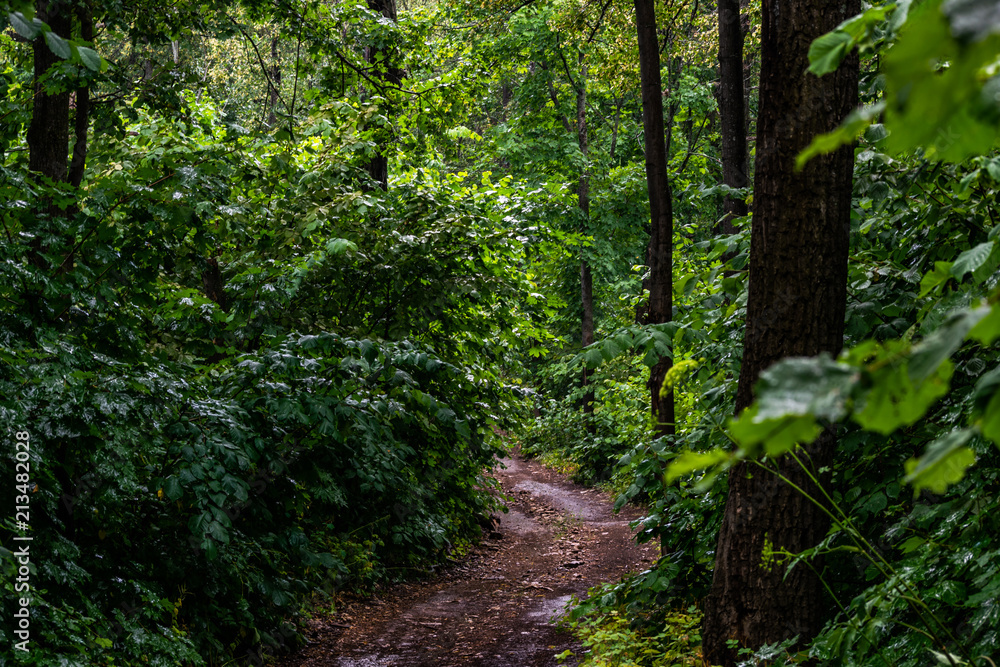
x,y
181,514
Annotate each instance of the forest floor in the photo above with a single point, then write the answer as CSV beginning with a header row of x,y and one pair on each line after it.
x,y
495,607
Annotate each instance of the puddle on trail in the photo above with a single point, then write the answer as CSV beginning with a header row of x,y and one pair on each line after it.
x,y
550,611
570,502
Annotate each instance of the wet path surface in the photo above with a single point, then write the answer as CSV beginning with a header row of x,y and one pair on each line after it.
x,y
495,608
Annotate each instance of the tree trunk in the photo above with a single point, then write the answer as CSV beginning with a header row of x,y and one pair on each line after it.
x,y
732,115
213,284
274,83
81,123
386,70
583,199
48,153
659,256
48,133
796,304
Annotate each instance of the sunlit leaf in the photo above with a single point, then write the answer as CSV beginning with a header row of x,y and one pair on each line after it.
x,y
934,279
689,462
943,463
827,52
894,399
846,133
774,436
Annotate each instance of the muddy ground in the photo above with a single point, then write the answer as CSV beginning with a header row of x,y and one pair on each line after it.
x,y
495,607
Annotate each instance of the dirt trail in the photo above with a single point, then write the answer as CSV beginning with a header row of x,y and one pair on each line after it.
x,y
494,608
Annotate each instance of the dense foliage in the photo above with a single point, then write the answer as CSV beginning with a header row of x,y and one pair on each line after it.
x,y
251,377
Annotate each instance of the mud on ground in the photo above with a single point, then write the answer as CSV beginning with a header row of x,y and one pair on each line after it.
x,y
494,608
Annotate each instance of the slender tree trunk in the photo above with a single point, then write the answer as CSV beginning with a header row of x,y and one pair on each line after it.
x,y
213,284
274,82
751,68
81,124
796,304
614,131
659,256
389,73
732,116
583,198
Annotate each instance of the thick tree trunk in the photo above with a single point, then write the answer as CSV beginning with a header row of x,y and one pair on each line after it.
x,y
388,72
659,256
48,133
796,304
732,115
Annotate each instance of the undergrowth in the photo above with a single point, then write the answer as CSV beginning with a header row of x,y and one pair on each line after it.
x,y
613,637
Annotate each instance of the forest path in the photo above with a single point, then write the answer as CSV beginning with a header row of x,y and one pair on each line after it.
x,y
493,609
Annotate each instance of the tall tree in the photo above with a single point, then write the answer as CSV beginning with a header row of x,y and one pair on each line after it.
x,y
48,133
732,112
659,256
796,304
583,198
384,60
274,82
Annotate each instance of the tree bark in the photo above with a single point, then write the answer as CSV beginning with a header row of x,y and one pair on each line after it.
x,y
213,284
583,199
659,255
796,304
274,82
81,124
48,132
388,72
732,113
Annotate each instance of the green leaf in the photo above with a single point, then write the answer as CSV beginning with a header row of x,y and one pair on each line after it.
x,y
894,399
218,532
816,386
949,112
972,259
939,276
338,246
990,425
944,462
58,45
27,28
993,168
91,59
592,356
876,503
930,353
986,399
988,328
972,20
828,51
776,435
689,462
172,488
856,123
